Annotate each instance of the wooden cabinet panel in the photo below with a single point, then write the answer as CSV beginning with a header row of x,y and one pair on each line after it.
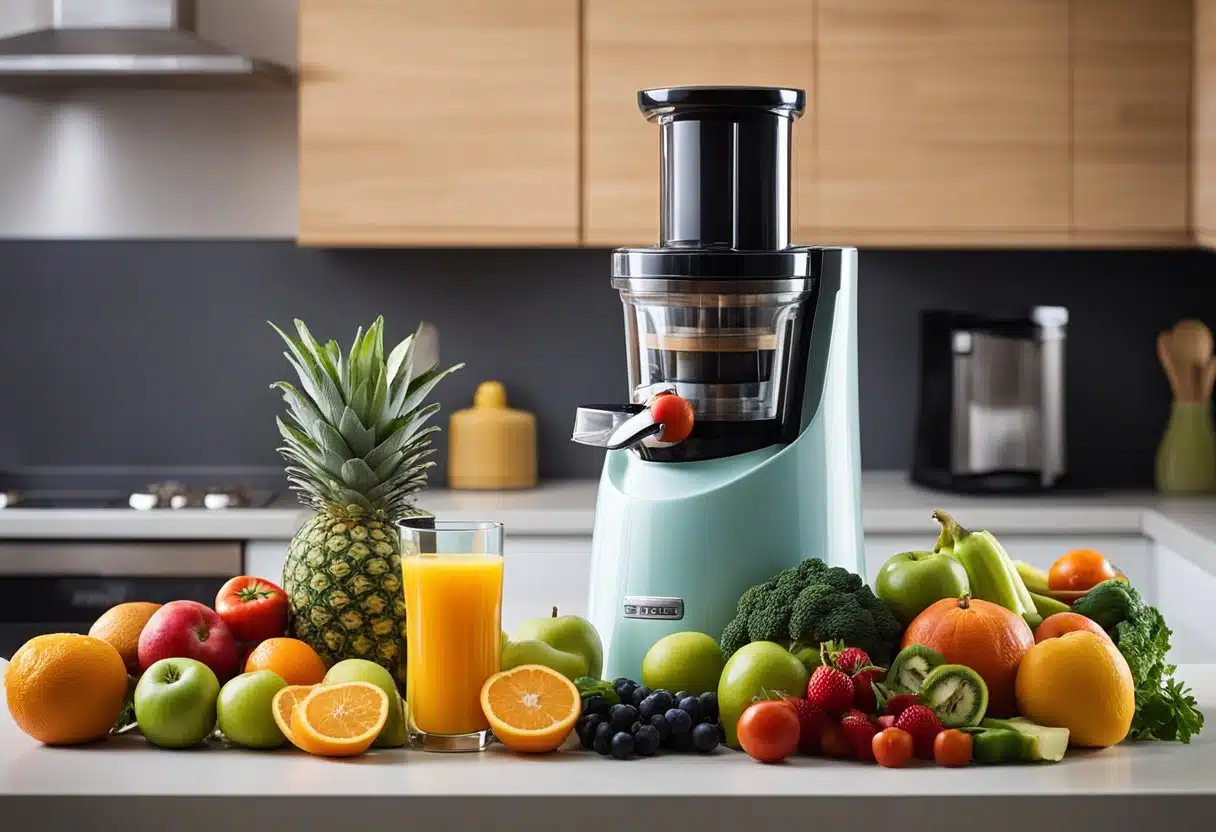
x,y
450,122
1204,162
631,45
943,121
1131,116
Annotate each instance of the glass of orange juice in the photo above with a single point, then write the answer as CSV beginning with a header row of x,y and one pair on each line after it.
x,y
453,612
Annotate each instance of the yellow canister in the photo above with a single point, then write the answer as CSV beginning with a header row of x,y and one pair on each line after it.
x,y
491,446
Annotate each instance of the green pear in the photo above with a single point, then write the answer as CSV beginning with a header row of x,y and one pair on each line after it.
x,y
569,636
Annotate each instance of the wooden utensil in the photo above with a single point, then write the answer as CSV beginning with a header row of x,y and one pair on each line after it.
x,y
1186,458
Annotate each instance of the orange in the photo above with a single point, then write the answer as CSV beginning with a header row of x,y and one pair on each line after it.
x,y
65,688
291,658
284,703
531,708
1081,682
339,720
1056,625
1080,569
120,626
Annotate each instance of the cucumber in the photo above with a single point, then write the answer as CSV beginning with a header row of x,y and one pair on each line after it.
x,y
1049,743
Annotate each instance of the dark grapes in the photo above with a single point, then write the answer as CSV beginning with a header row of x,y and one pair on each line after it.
x,y
650,706
595,704
639,693
709,706
705,737
624,688
664,700
622,716
586,729
659,723
691,706
633,729
681,695
646,740
622,745
603,739
680,742
680,721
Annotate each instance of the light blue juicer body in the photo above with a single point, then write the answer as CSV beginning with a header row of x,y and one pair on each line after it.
x,y
686,538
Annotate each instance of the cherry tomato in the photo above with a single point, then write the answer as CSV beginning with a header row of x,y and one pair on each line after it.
x,y
952,748
892,747
768,731
253,609
674,414
834,742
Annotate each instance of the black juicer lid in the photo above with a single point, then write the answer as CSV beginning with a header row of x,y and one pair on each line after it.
x,y
724,187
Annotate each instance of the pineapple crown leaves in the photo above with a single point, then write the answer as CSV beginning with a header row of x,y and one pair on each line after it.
x,y
356,438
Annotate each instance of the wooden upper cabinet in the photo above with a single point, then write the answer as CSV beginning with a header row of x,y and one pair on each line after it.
x,y
631,45
439,123
943,122
1131,120
1204,171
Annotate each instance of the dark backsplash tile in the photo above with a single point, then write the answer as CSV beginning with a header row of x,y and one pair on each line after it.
x,y
158,354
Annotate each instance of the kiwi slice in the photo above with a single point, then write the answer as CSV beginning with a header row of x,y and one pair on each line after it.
x,y
956,693
911,667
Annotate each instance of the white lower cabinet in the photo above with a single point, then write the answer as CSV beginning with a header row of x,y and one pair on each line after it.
x,y
1185,594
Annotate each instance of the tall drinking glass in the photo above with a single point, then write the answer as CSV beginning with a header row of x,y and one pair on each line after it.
x,y
453,607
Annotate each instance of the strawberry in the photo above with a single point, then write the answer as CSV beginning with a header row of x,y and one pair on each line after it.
x,y
831,690
897,704
835,742
923,725
852,659
863,688
860,733
811,721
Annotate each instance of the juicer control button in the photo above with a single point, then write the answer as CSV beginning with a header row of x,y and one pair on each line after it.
x,y
652,606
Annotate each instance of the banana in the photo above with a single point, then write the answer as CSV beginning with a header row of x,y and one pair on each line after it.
x,y
988,568
1045,606
1034,578
1018,583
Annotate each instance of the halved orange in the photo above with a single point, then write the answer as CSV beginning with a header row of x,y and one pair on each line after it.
x,y
339,720
285,702
531,708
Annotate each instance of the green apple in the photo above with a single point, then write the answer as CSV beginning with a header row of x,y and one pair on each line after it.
x,y
392,735
567,634
245,710
683,661
760,670
516,653
808,655
175,702
911,581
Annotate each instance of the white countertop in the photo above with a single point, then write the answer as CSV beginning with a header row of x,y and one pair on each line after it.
x,y
890,505
128,767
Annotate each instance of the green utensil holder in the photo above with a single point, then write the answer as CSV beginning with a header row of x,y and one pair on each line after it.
x,y
1186,458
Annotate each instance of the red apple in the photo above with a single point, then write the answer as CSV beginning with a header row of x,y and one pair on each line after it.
x,y
189,630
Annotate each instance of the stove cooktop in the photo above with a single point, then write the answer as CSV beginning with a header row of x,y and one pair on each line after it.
x,y
154,498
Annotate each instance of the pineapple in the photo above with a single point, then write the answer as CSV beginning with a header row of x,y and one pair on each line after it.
x,y
356,448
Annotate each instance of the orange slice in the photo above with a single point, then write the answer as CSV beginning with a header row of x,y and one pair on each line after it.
x,y
339,720
531,708
285,702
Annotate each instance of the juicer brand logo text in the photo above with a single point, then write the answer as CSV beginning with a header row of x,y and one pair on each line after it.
x,y
648,606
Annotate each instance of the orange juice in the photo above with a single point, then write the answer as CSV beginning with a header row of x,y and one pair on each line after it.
x,y
453,608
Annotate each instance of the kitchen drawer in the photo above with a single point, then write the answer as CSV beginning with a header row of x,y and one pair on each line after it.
x,y
1185,595
1131,553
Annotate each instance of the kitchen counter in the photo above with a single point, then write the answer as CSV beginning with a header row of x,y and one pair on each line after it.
x,y
126,782
891,505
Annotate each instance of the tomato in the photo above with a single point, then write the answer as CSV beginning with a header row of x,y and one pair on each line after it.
x,y
835,743
893,747
1056,625
253,609
952,748
674,414
768,731
1080,569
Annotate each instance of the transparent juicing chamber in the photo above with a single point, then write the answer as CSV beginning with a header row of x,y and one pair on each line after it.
x,y
728,346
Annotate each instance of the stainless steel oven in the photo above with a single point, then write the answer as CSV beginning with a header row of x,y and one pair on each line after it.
x,y
63,586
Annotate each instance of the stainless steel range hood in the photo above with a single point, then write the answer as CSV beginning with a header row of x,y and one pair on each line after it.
x,y
128,43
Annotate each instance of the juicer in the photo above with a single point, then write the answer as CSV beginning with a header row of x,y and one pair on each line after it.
x,y
760,337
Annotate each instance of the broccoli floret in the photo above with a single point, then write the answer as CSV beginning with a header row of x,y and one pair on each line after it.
x,y
812,603
734,636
